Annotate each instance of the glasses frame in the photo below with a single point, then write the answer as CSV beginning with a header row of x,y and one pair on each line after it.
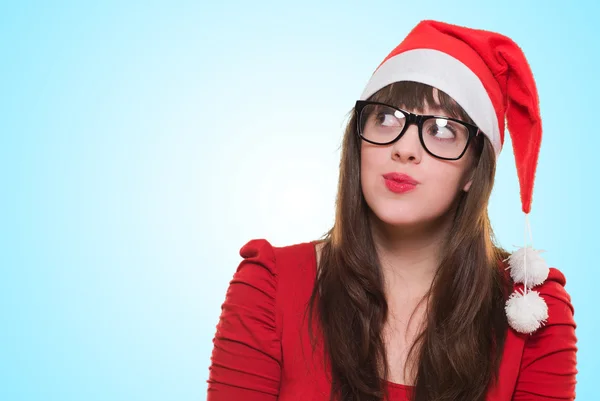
x,y
412,118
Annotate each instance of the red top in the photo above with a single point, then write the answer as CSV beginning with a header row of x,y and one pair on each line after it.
x,y
262,348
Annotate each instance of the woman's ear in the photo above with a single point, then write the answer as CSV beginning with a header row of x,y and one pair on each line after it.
x,y
470,176
468,185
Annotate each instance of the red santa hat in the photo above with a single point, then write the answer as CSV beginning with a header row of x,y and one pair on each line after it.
x,y
487,74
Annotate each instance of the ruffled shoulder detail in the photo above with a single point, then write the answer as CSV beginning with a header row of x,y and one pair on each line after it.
x,y
259,251
246,358
548,366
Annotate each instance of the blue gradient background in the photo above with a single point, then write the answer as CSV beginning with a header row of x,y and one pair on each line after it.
x,y
141,142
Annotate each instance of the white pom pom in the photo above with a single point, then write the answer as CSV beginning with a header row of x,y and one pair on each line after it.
x,y
526,313
537,269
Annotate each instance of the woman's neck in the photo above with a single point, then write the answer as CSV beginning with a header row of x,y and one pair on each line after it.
x,y
410,256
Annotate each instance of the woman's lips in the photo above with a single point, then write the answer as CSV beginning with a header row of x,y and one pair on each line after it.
x,y
399,187
399,183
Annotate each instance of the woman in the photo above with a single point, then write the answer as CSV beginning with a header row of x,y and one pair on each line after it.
x,y
407,297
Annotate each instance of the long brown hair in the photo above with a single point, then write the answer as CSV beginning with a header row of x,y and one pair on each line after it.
x,y
458,352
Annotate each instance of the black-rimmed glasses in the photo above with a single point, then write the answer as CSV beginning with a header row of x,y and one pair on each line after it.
x,y
442,137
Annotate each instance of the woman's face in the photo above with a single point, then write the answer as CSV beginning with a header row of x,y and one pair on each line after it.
x,y
439,181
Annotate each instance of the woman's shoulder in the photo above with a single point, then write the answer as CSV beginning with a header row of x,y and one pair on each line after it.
x,y
294,262
558,300
261,249
291,272
552,290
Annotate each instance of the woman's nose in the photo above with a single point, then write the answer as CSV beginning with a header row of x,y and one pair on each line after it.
x,y
408,147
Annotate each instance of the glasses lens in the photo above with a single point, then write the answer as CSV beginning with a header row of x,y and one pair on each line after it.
x,y
445,138
380,124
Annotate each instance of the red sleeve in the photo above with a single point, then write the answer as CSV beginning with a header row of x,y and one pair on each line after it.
x,y
548,365
246,356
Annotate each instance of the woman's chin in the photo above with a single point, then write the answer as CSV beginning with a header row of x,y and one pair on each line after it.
x,y
406,221
401,221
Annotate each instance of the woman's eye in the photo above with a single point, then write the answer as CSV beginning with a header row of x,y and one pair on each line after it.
x,y
442,130
443,133
386,120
